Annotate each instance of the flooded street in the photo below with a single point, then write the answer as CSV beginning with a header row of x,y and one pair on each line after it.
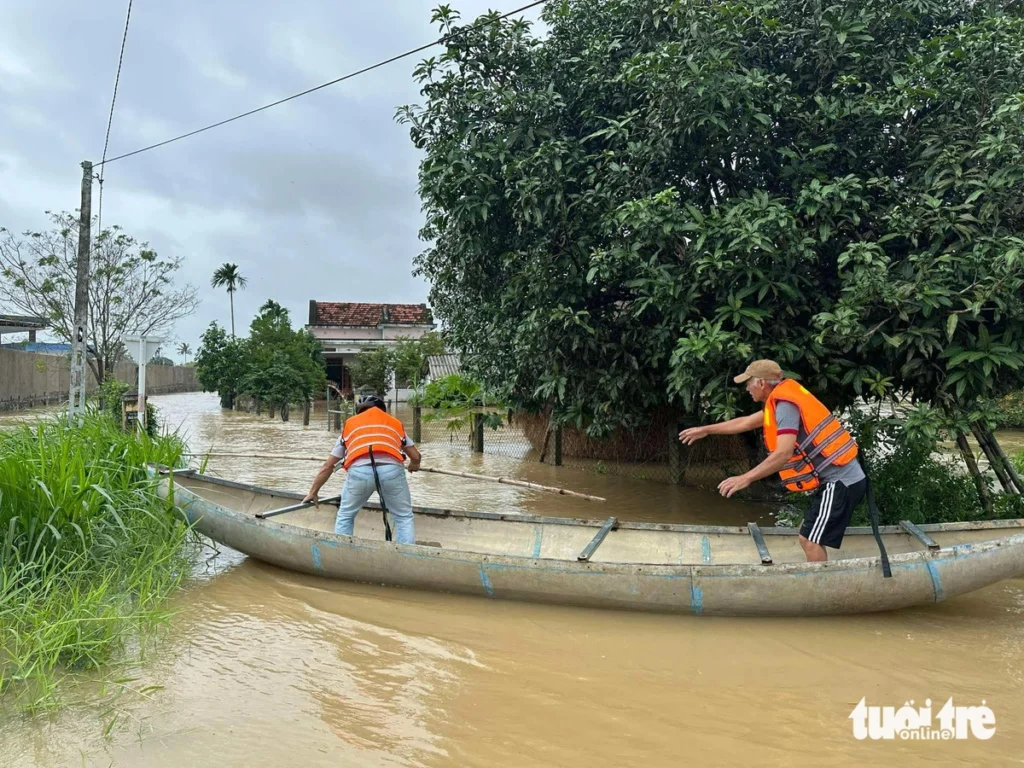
x,y
261,667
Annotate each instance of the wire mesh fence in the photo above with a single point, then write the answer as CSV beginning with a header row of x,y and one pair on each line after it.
x,y
651,453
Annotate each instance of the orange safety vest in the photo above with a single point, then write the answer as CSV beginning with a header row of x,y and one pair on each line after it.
x,y
827,441
373,427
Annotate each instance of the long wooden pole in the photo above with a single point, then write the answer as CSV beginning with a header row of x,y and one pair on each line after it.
x,y
510,481
79,334
452,473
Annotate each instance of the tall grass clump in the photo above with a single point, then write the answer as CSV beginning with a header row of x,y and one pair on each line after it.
x,y
88,551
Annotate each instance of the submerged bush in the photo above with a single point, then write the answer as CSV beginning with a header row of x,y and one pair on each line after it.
x,y
911,480
88,551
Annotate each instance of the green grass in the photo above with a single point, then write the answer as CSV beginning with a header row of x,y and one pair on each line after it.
x,y
88,552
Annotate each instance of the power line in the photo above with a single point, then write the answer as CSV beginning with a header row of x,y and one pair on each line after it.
x,y
349,76
110,118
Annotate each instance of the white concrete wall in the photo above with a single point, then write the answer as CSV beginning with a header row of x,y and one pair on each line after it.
x,y
406,331
329,332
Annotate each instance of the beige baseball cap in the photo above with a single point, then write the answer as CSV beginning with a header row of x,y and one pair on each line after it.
x,y
761,369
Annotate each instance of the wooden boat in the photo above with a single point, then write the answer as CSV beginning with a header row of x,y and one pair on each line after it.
x,y
709,570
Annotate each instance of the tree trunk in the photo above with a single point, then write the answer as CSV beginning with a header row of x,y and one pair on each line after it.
x,y
993,459
1010,468
306,408
979,481
1004,461
285,412
96,366
259,405
231,298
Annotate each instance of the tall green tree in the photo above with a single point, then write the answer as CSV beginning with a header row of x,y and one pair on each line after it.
x,y
221,364
184,350
626,211
284,366
374,368
410,357
227,276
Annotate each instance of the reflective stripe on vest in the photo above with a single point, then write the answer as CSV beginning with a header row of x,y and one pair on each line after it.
x,y
827,439
376,429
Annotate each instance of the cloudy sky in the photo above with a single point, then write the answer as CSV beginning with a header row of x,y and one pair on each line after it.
x,y
314,199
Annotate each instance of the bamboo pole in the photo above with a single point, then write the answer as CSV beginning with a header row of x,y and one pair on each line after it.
x,y
211,454
452,473
510,481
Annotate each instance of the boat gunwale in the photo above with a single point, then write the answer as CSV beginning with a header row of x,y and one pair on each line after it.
x,y
654,569
977,525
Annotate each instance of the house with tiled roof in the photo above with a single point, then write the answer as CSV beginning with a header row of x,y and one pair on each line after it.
x,y
346,328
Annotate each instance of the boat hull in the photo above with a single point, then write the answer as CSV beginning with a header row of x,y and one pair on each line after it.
x,y
845,586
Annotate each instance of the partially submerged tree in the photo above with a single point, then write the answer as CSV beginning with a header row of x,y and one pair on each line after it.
x,y
373,369
626,212
283,366
131,290
221,364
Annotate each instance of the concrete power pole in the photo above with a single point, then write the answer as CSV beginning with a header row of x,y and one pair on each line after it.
x,y
76,406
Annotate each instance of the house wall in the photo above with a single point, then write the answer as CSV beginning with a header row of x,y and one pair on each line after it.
x,y
392,332
387,333
324,332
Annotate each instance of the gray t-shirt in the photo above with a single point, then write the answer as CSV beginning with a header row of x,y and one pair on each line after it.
x,y
788,418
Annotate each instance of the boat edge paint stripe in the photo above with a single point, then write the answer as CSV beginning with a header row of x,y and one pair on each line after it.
x,y
936,581
538,537
696,598
485,582
705,549
318,564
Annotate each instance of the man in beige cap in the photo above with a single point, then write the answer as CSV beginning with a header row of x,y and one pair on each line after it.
x,y
809,448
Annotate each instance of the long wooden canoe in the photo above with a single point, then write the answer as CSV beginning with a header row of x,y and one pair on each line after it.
x,y
708,570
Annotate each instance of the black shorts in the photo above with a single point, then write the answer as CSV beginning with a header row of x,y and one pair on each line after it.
x,y
832,507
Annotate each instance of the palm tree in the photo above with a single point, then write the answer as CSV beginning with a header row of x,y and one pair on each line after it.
x,y
184,350
228,276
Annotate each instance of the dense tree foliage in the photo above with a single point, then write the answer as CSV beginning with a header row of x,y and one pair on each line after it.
x,y
276,364
626,211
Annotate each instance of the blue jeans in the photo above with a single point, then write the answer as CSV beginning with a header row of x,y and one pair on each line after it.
x,y
359,486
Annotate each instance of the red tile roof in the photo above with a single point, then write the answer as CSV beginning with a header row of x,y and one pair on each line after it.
x,y
368,315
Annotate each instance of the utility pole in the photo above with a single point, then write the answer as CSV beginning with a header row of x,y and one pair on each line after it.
x,y
76,405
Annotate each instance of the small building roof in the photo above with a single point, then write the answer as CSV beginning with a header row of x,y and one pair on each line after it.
x,y
360,315
439,366
21,324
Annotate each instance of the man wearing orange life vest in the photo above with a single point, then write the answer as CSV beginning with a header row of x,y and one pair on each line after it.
x,y
373,445
809,448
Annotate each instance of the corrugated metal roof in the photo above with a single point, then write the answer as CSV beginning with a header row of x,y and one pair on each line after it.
x,y
21,323
440,366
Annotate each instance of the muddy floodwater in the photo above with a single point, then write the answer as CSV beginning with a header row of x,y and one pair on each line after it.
x,y
261,667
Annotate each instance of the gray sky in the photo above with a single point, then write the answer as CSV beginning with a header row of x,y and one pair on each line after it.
x,y
314,199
